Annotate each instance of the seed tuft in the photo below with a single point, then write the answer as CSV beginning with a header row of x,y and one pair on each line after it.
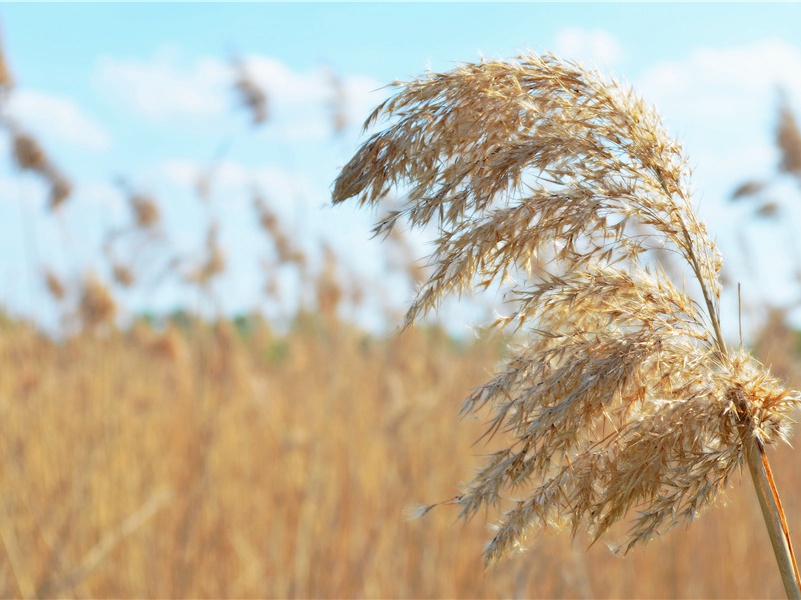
x,y
621,397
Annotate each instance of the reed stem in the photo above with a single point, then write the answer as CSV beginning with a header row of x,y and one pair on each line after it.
x,y
773,513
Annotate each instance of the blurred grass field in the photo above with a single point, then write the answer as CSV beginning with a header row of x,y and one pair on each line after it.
x,y
206,460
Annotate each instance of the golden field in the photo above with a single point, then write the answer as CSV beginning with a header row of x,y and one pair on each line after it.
x,y
216,460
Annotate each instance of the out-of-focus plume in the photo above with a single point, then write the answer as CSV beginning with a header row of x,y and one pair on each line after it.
x,y
60,190
624,398
123,275
144,206
250,93
748,189
268,221
97,307
54,285
6,78
788,139
214,261
329,289
338,103
145,209
29,155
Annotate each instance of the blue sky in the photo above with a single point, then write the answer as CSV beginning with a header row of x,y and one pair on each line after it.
x,y
142,91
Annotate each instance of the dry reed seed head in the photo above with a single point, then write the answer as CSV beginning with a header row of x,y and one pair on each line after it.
x,y
748,189
145,209
267,219
28,154
60,190
761,400
97,306
6,78
169,344
788,138
251,94
214,263
54,285
767,210
203,186
338,103
287,252
329,290
535,156
624,396
123,275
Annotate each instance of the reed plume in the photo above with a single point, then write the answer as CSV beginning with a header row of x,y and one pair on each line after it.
x,y
29,155
623,398
250,93
6,77
788,139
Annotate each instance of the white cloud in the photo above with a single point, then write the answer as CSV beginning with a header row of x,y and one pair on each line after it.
x,y
49,115
163,87
726,84
104,196
299,102
181,172
594,47
723,104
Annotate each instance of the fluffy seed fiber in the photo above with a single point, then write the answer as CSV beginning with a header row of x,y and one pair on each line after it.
x,y
623,399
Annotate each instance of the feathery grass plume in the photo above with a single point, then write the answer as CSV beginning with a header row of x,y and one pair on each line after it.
x,y
250,93
748,189
29,155
214,261
96,308
624,398
54,285
338,102
122,274
145,209
287,251
788,139
6,78
60,189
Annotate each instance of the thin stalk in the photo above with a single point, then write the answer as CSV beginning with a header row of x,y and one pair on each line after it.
x,y
773,513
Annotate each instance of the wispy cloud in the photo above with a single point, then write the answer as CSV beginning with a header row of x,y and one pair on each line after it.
x,y
593,47
300,103
164,86
722,84
53,116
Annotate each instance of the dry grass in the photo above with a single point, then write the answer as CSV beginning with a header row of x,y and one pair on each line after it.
x,y
623,398
195,462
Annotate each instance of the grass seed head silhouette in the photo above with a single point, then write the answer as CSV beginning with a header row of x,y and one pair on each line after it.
x,y
624,395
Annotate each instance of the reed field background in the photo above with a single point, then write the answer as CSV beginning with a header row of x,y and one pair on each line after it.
x,y
193,453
